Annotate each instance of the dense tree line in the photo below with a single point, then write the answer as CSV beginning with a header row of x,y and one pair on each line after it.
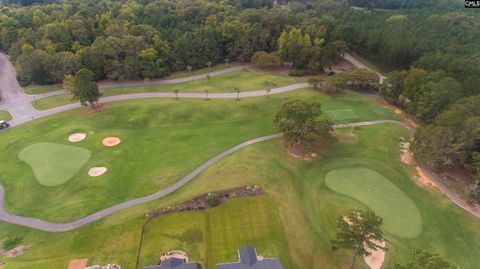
x,y
147,39
437,49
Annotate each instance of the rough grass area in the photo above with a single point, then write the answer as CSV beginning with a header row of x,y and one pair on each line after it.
x,y
54,164
400,215
213,236
4,115
246,80
307,209
342,114
38,89
163,140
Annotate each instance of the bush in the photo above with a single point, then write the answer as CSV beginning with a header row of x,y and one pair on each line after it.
x,y
264,59
213,200
296,72
11,243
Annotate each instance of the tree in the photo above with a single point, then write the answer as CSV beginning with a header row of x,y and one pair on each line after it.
x,y
209,64
176,93
422,259
301,124
213,200
363,79
359,231
206,95
69,83
85,88
266,60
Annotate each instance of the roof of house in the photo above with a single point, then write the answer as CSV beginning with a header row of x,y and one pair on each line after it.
x,y
174,263
248,260
78,264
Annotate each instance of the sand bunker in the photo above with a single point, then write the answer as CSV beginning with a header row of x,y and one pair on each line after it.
x,y
77,137
377,257
97,171
425,180
111,141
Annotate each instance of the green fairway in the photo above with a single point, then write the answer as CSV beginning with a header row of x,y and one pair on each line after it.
x,y
54,164
342,114
213,236
4,115
163,140
400,215
246,80
307,209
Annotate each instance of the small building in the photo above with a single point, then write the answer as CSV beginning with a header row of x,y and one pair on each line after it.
x,y
248,259
175,263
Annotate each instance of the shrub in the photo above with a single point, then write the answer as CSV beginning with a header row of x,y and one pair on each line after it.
x,y
264,59
296,72
11,243
213,200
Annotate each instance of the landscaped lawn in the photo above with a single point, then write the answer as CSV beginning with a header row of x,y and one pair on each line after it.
x,y
213,236
296,189
4,115
247,80
162,140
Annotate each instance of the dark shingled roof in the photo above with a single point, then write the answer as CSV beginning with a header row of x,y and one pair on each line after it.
x,y
248,260
174,263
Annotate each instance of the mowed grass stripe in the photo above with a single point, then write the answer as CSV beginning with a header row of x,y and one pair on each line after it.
x,y
401,216
245,221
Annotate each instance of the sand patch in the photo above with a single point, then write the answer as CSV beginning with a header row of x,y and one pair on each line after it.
x,y
406,155
97,171
77,137
377,257
425,180
111,141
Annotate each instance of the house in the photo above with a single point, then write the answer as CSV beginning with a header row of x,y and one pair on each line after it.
x,y
175,263
248,259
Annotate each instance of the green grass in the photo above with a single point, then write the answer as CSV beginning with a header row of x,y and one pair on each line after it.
x,y
213,236
249,80
342,114
400,215
162,140
4,115
54,164
307,209
38,89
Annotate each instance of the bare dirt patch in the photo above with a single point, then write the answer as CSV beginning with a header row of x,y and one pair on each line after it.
x,y
111,141
425,180
406,155
77,137
97,171
406,118
377,257
15,251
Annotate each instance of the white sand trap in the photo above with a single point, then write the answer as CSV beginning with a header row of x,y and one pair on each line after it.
x,y
377,257
97,171
77,137
111,141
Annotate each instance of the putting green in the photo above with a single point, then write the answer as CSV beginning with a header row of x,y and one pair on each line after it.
x,y
342,114
54,164
401,216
